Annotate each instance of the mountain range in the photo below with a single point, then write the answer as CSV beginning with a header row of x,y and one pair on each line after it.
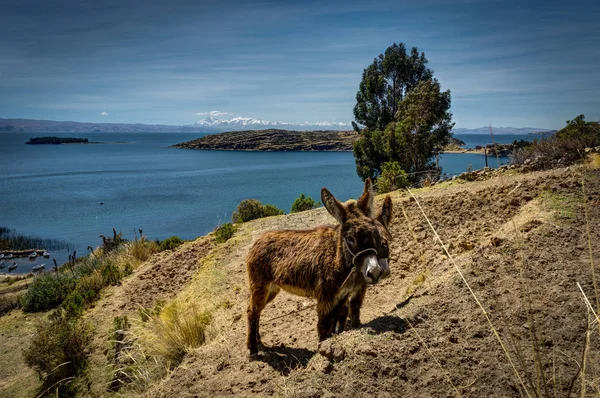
x,y
209,125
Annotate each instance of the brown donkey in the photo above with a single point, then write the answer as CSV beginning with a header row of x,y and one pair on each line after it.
x,y
331,264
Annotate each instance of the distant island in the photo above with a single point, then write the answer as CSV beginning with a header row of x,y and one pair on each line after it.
x,y
274,140
282,141
56,140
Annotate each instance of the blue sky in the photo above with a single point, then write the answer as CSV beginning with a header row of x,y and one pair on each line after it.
x,y
520,64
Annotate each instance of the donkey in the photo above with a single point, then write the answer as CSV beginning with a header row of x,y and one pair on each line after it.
x,y
329,263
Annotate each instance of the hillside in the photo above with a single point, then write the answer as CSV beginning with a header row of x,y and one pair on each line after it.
x,y
274,140
422,336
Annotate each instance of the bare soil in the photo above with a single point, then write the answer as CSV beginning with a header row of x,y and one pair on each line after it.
x,y
521,243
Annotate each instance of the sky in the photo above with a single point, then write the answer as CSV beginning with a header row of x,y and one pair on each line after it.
x,y
519,64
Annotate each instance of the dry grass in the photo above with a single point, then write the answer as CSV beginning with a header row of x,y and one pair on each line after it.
x,y
594,161
177,330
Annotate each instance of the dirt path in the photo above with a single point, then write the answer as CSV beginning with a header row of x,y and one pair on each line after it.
x,y
451,339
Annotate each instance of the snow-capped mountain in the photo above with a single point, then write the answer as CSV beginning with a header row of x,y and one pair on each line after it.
x,y
251,123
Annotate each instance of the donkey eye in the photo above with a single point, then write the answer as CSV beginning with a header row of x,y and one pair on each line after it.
x,y
351,240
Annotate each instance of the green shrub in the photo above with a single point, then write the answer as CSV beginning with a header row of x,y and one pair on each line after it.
x,y
303,203
170,243
74,305
224,232
392,178
248,209
86,292
47,291
58,353
272,210
111,274
251,209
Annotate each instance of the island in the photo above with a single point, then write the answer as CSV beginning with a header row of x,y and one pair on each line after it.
x,y
285,140
274,140
56,140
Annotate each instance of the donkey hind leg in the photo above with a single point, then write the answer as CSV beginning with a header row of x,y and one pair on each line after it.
x,y
272,292
342,318
258,300
355,303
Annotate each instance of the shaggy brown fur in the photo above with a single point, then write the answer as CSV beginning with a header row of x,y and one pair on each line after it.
x,y
316,263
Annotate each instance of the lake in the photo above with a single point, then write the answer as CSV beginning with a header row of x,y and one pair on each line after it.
x,y
54,191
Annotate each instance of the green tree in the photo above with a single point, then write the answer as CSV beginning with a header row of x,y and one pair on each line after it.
x,y
587,134
392,178
386,82
405,114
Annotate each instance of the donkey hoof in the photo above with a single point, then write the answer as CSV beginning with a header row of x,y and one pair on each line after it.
x,y
254,356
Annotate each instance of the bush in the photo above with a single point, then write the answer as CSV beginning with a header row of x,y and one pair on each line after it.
x,y
58,353
392,178
224,232
47,291
171,243
111,274
251,209
176,331
303,203
86,292
272,210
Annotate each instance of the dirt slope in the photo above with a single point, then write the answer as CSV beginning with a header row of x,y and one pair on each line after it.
x,y
451,339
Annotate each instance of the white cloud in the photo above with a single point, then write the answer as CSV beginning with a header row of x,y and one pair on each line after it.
x,y
104,113
212,113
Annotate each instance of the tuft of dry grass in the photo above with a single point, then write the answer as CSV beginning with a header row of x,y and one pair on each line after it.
x,y
177,330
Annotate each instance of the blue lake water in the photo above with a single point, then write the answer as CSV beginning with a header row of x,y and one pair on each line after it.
x,y
53,191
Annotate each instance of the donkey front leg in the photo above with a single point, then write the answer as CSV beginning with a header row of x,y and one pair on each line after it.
x,y
356,302
342,318
328,318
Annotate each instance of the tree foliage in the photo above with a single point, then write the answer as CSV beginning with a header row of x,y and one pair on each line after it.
x,y
392,178
386,82
421,121
586,133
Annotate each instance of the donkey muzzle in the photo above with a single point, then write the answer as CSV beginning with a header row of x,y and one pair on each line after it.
x,y
385,266
372,271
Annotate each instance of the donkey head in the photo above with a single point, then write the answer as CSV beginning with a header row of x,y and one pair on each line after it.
x,y
384,238
360,233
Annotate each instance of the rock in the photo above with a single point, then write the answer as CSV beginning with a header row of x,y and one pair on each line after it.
x,y
332,350
526,162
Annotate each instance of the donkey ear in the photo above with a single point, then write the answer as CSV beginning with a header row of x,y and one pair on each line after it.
x,y
335,208
385,215
365,202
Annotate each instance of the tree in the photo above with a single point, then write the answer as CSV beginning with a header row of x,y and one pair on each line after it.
x,y
586,134
405,114
385,83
